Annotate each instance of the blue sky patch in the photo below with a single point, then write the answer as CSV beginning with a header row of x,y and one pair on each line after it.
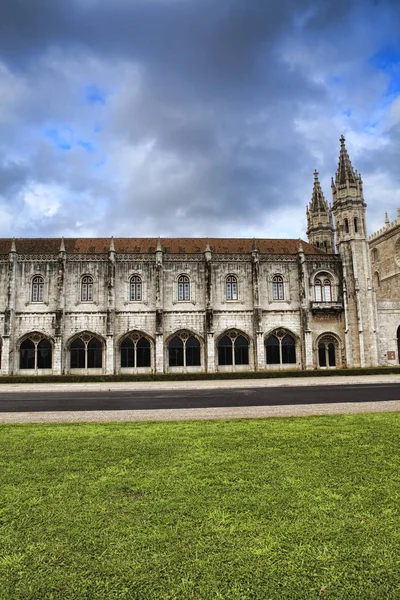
x,y
61,137
94,95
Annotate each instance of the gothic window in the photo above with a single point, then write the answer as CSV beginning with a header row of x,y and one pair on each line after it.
x,y
318,290
183,288
86,352
231,288
323,290
37,288
135,288
327,291
355,224
326,354
277,288
135,352
346,225
375,254
376,280
233,349
35,352
280,349
87,288
184,351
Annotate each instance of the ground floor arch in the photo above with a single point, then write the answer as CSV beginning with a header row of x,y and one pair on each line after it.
x,y
35,352
86,352
233,349
328,351
136,351
280,348
184,349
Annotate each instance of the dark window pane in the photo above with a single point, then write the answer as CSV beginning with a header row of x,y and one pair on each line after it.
x,y
175,357
225,351
44,352
77,350
143,353
27,355
127,353
288,350
272,345
241,351
331,355
176,342
322,355
192,352
94,354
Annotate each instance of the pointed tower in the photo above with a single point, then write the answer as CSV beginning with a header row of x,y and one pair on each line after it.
x,y
351,239
320,230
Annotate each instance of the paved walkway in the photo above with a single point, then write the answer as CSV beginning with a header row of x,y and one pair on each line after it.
x,y
245,412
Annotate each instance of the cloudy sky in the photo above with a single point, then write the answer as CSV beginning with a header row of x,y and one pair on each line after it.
x,y
192,117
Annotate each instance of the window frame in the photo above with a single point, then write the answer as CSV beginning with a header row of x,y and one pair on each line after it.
x,y
278,288
89,353
135,288
86,288
281,351
183,291
231,288
183,351
36,340
37,289
135,339
323,288
236,354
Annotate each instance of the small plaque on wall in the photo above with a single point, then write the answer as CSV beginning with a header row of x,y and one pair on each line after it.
x,y
391,355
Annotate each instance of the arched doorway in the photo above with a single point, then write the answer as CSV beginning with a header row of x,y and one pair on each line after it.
x,y
328,352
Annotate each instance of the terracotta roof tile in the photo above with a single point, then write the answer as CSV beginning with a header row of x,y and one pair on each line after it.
x,y
149,245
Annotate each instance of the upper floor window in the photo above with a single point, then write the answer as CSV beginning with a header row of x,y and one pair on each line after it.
x,y
37,289
183,288
355,225
277,288
87,288
231,288
375,254
346,225
135,288
323,290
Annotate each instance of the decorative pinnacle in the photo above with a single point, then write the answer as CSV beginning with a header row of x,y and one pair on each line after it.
x,y
208,249
387,223
13,246
254,246
318,203
300,246
112,247
159,249
345,173
62,245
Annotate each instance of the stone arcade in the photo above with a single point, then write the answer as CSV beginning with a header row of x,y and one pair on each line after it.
x,y
140,305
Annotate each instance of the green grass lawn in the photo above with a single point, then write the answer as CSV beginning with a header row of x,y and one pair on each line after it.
x,y
280,508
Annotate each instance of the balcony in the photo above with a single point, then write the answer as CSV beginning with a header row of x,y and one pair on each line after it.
x,y
326,308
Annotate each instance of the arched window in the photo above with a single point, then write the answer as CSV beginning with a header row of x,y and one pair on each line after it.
x,y
233,349
35,352
231,288
184,351
318,290
183,288
87,288
135,352
376,280
375,254
280,349
346,225
135,293
355,224
326,354
277,288
37,288
86,352
323,290
327,291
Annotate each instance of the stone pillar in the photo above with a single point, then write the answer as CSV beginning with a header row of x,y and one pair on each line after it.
x,y
210,353
260,351
57,356
159,353
109,355
308,351
6,367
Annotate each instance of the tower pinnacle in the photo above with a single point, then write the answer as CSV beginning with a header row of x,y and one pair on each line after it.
x,y
319,219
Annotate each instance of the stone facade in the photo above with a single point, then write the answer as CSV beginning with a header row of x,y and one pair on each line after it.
x,y
124,305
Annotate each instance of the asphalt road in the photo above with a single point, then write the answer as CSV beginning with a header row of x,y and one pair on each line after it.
x,y
192,398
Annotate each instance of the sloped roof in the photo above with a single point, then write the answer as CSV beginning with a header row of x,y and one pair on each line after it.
x,y
36,246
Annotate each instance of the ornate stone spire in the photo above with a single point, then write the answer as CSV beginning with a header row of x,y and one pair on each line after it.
x,y
345,174
62,245
318,202
319,219
112,247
